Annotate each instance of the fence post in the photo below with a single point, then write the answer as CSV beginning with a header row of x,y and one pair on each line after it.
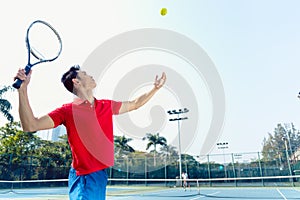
x,y
10,158
145,170
233,168
165,170
208,170
260,170
127,169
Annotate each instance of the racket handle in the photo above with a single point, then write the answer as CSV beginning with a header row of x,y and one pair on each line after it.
x,y
17,84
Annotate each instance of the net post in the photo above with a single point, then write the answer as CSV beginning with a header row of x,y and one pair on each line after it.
x,y
12,187
198,187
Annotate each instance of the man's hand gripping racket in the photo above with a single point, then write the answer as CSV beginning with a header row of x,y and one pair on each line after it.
x,y
43,43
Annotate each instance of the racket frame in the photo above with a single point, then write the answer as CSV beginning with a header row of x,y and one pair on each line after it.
x,y
29,65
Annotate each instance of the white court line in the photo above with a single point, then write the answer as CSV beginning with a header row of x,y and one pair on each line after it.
x,y
296,189
108,198
204,196
281,194
171,190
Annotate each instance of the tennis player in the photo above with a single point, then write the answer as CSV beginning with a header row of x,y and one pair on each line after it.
x,y
89,127
185,178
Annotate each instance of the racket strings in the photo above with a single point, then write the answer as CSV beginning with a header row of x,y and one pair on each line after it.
x,y
44,42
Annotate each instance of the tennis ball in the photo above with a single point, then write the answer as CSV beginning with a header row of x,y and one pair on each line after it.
x,y
163,11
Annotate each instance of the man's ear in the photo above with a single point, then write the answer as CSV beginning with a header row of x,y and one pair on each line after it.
x,y
75,81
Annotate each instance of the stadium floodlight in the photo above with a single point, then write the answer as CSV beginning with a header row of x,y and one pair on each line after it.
x,y
178,119
223,146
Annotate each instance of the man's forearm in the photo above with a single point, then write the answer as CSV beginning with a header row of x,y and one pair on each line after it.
x,y
140,101
25,112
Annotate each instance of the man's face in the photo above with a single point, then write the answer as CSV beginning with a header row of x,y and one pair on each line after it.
x,y
86,80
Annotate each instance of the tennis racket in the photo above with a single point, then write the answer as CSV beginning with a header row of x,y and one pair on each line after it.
x,y
43,43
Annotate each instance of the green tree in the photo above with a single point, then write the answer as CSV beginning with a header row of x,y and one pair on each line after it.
x,y
293,136
15,141
23,155
190,165
274,145
20,147
5,105
54,158
54,154
154,140
121,145
169,151
65,149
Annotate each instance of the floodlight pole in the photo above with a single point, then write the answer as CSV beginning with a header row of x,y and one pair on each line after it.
x,y
178,112
223,146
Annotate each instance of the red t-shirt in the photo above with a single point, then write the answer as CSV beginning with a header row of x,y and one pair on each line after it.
x,y
90,133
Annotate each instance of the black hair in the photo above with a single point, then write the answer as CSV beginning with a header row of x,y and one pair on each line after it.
x,y
68,76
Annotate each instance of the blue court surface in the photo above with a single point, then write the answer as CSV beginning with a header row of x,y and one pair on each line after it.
x,y
167,194
215,193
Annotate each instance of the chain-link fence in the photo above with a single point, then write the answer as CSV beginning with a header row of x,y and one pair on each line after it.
x,y
158,166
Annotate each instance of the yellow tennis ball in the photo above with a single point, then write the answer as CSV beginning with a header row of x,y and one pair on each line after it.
x,y
163,11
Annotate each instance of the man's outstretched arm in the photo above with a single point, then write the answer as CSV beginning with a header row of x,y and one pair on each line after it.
x,y
140,101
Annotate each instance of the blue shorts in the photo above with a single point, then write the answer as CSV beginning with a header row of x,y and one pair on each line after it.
x,y
87,187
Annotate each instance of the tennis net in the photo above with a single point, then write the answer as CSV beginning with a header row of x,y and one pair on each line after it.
x,y
145,187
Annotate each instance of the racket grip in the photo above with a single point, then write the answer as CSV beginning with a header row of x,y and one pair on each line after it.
x,y
17,84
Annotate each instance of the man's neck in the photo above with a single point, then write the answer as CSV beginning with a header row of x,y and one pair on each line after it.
x,y
86,96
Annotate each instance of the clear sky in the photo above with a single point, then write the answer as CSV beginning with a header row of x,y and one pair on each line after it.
x,y
254,46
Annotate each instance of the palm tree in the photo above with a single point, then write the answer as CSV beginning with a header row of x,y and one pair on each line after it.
x,y
5,105
169,151
121,144
154,140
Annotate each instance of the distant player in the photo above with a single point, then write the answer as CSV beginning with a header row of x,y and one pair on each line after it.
x,y
185,178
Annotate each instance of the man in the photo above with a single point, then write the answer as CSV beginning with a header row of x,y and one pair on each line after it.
x,y
185,182
183,176
89,127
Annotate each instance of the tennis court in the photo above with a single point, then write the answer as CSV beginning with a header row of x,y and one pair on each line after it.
x,y
217,193
147,189
168,194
